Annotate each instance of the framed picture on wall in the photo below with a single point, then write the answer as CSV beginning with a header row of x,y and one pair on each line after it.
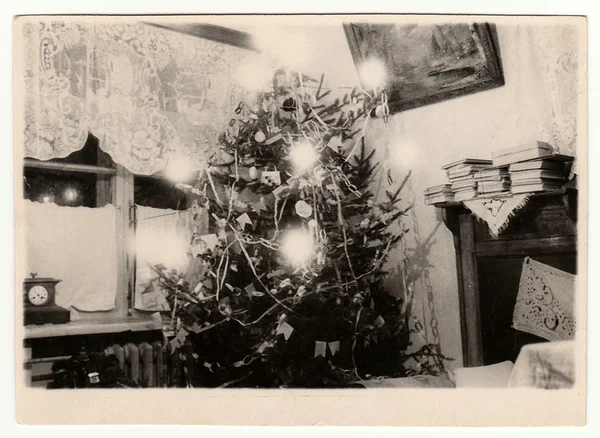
x,y
428,63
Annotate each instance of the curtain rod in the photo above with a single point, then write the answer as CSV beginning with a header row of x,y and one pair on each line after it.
x,y
69,167
212,32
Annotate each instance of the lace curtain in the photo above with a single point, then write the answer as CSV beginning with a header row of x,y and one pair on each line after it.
x,y
147,93
556,56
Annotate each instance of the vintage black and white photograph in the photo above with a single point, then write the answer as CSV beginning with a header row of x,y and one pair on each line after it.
x,y
349,202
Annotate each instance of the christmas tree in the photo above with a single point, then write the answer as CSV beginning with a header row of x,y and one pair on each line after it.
x,y
285,289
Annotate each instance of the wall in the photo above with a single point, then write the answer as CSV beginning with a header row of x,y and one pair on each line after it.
x,y
426,138
538,102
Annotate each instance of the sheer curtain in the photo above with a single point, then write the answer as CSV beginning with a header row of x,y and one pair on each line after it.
x,y
147,93
162,236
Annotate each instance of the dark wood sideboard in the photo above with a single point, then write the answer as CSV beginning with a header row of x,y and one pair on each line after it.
x,y
489,269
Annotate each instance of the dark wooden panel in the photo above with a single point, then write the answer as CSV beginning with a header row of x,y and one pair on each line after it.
x,y
541,217
470,291
499,279
525,247
489,269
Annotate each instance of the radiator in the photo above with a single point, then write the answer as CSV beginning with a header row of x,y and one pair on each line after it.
x,y
153,365
144,363
148,364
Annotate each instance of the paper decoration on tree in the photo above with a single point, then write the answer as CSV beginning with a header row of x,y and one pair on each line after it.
x,y
244,220
263,347
250,290
285,329
270,178
545,300
336,144
334,347
181,336
278,136
260,205
280,190
303,209
320,348
497,212
208,242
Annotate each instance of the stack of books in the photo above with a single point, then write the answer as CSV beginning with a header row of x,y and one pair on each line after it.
x,y
547,173
493,181
524,152
460,174
439,194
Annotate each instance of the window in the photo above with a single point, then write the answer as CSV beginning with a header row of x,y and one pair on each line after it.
x,y
156,192
86,247
163,229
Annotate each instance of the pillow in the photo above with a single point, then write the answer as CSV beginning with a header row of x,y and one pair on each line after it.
x,y
489,376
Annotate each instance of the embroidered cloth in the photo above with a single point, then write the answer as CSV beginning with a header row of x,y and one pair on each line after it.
x,y
545,302
496,212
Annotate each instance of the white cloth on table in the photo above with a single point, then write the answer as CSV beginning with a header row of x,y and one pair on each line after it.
x,y
488,376
76,245
548,365
545,302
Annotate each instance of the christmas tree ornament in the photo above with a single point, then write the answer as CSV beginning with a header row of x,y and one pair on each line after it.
x,y
253,173
225,306
289,105
271,178
259,136
303,209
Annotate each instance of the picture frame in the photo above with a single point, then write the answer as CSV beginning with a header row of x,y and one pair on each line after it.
x,y
428,63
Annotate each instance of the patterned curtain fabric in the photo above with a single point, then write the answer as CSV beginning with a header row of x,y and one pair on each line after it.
x,y
55,66
556,62
147,93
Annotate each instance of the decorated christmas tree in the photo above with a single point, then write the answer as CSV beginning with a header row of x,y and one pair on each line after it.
x,y
285,288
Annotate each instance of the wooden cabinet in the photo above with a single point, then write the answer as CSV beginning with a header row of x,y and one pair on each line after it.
x,y
489,269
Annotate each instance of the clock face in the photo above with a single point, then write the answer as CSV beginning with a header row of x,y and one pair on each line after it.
x,y
38,295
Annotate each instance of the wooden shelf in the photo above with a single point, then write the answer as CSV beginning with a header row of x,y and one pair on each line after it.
x,y
90,328
533,194
488,268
